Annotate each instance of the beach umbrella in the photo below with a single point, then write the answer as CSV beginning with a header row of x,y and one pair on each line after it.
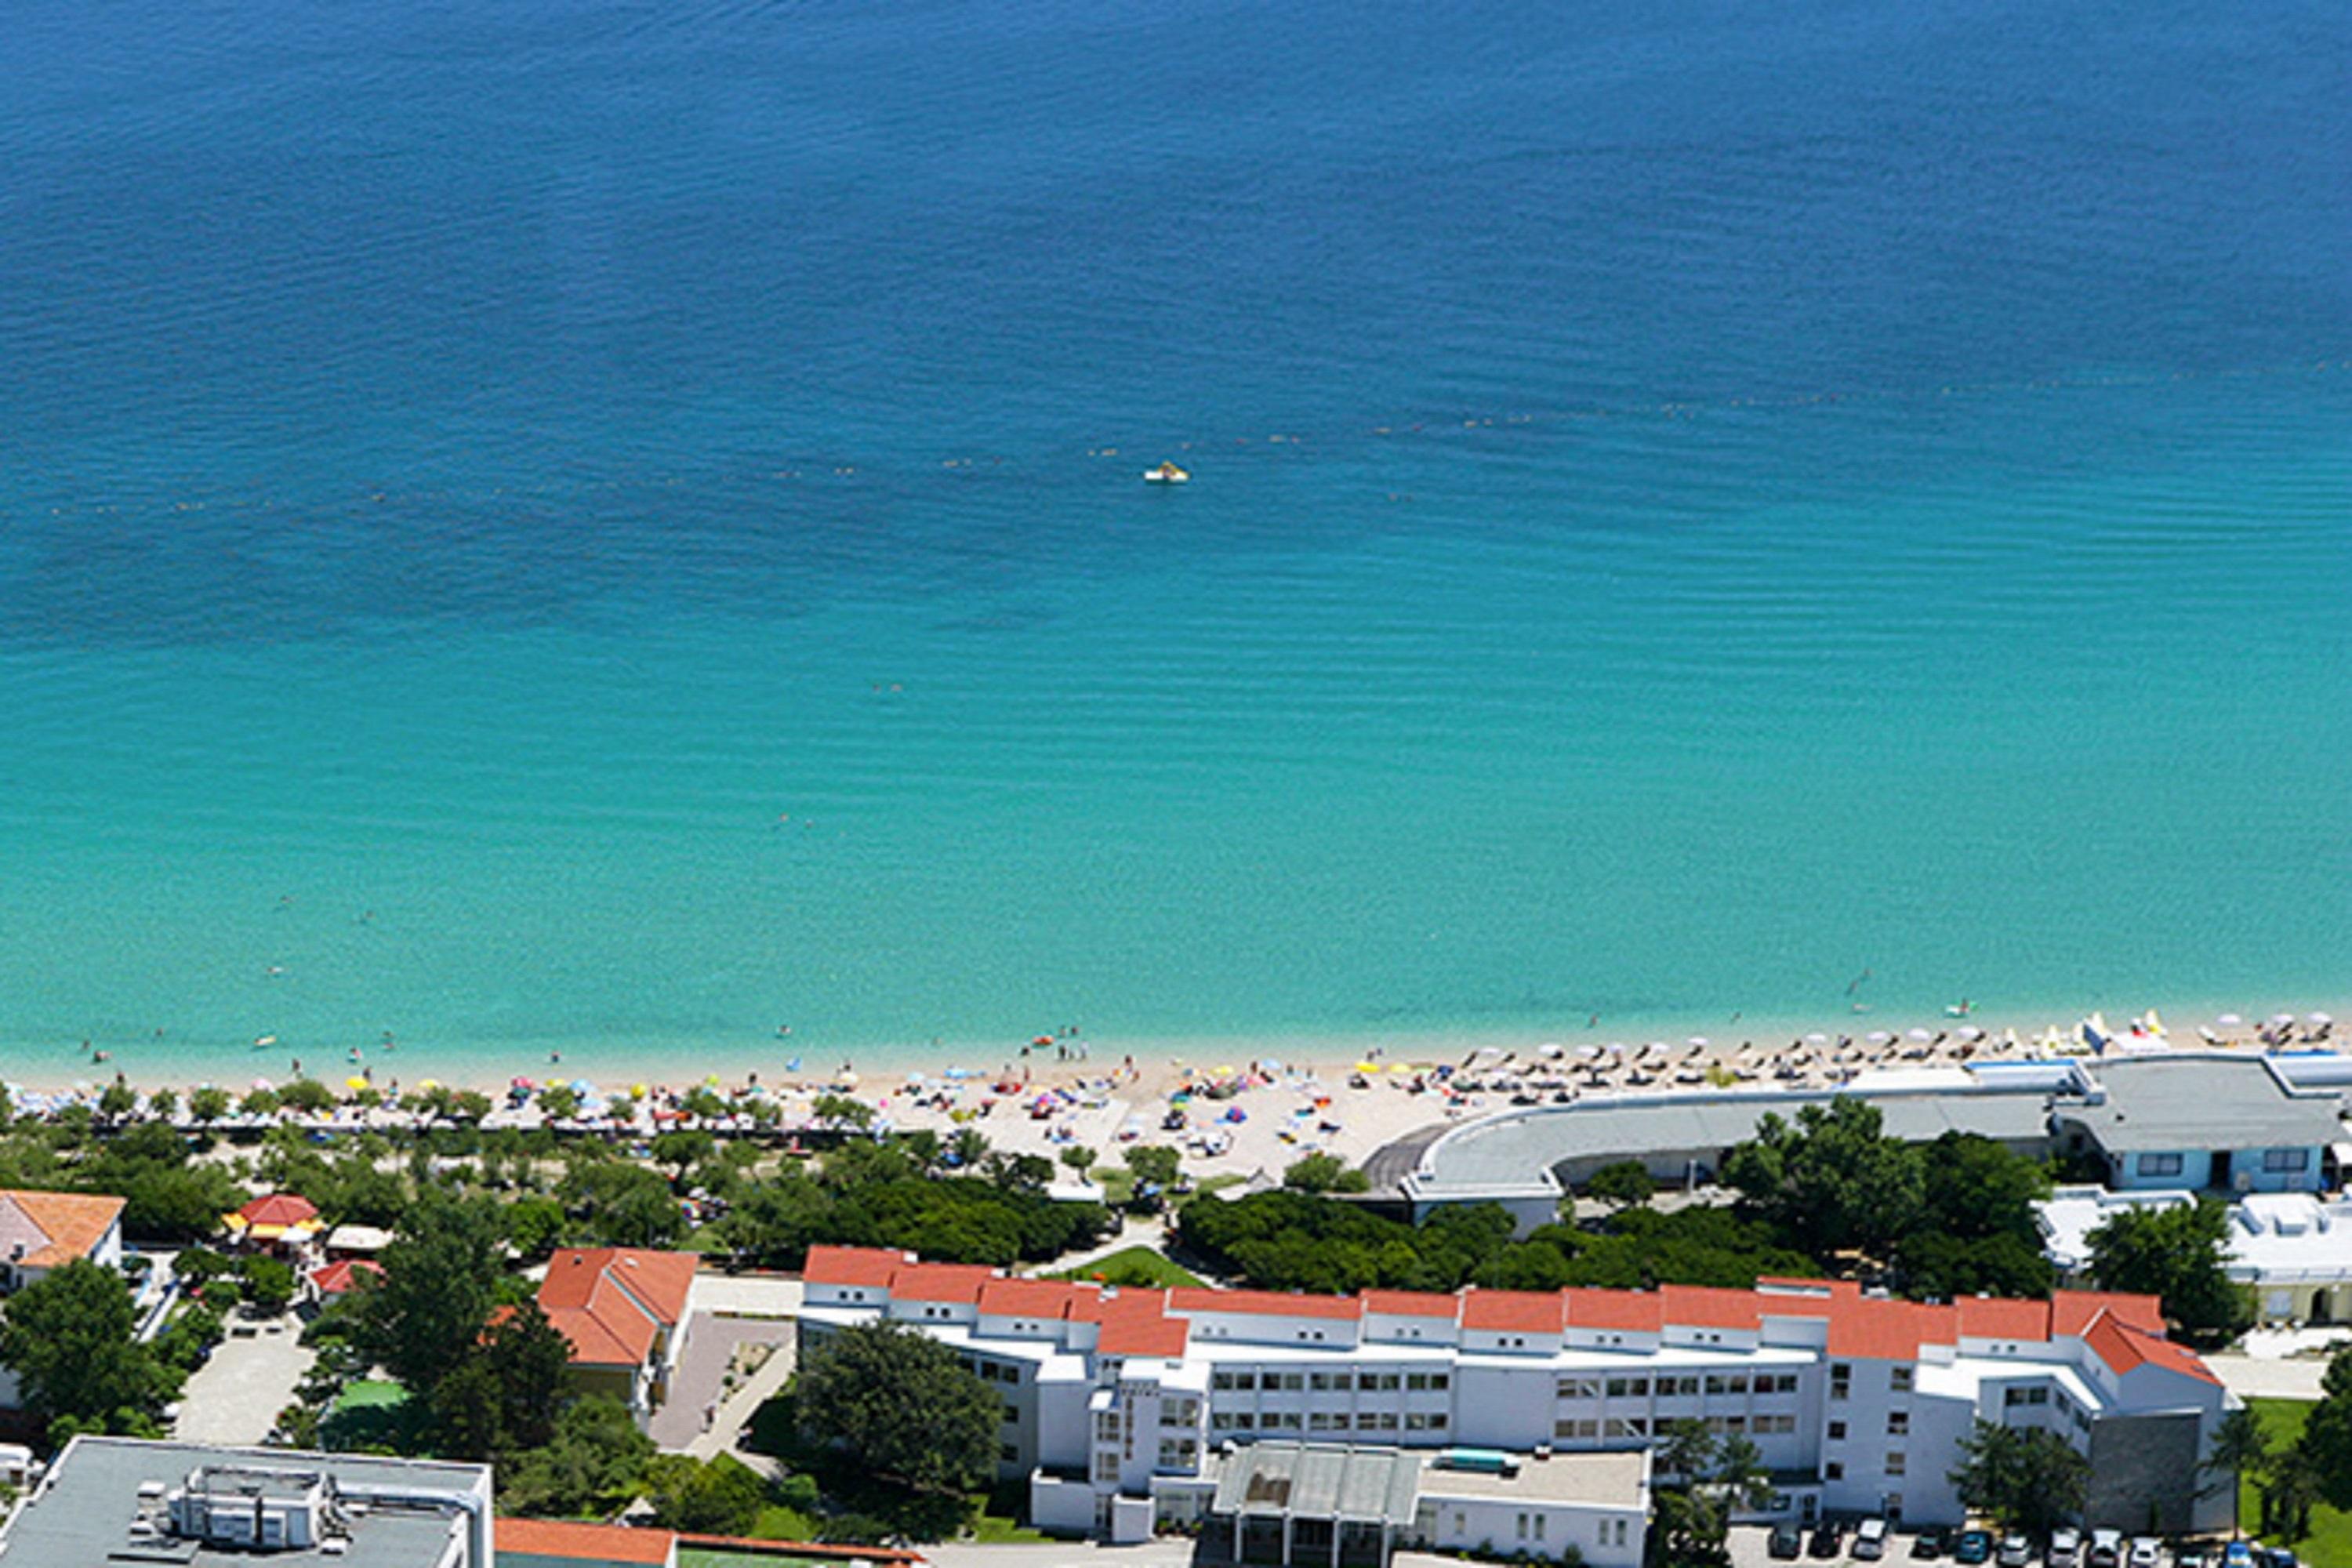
x,y
581,1085
258,1083
1043,1040
1817,1039
2319,1018
1920,1034
2282,1017
355,1083
1368,1067
1698,1042
1880,1037
2229,1020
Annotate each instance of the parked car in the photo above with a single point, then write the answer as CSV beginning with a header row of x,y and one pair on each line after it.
x,y
1930,1543
2107,1549
2065,1547
1975,1546
2147,1552
2238,1554
2014,1552
2279,1557
1870,1540
1786,1542
1827,1540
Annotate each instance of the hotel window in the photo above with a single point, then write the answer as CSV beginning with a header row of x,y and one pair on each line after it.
x,y
1106,1428
1899,1379
1833,1471
1105,1466
1678,1387
1837,1431
1242,1421
1323,1421
1220,1380
1321,1383
1579,1388
1377,1381
1281,1421
1841,1379
1627,1426
1628,1387
1583,1429
2159,1164
1894,1464
1289,1382
2285,1159
1366,1422
1728,1385
1898,1423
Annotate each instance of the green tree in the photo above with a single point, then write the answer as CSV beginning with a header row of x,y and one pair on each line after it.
x,y
681,1148
1079,1159
164,1104
2178,1254
559,1102
1627,1183
424,1315
1832,1181
70,1339
591,1466
534,1225
208,1103
723,1496
262,1101
839,1110
1324,1174
503,1398
118,1100
1705,1478
307,1096
2325,1446
1156,1170
2239,1449
901,1405
269,1283
2027,1478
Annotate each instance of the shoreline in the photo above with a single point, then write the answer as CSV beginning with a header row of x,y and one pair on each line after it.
x,y
682,1064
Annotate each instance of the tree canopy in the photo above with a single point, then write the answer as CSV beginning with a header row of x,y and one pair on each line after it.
x,y
2027,1478
70,1339
900,1403
2178,1254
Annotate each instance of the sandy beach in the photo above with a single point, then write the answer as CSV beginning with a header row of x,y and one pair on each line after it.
x,y
1251,1116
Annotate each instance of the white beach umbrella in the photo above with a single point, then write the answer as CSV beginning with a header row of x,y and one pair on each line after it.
x,y
2319,1018
2282,1017
2230,1020
1879,1036
1921,1034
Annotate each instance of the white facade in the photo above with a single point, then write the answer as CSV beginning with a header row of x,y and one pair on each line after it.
x,y
2293,1250
1856,1405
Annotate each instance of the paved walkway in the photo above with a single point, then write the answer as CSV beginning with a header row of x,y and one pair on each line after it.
x,y
696,1408
1151,1232
235,1397
2264,1377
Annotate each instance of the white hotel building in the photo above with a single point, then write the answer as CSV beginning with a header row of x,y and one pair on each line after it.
x,y
1129,1408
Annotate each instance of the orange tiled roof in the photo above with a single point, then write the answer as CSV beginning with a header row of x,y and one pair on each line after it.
x,y
853,1265
1635,1311
1027,1297
1269,1303
955,1282
2071,1311
337,1279
1709,1307
1140,1335
612,1302
279,1208
73,1223
1410,1304
1516,1311
589,1543
2002,1318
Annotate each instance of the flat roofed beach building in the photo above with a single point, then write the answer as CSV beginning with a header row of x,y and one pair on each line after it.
x,y
127,1501
1122,1407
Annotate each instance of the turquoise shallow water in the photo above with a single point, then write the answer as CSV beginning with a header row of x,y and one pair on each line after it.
x,y
542,528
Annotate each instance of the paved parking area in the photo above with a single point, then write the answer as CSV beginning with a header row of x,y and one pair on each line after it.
x,y
235,1397
696,1407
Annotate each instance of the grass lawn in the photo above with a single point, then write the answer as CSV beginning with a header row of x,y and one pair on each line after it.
x,y
2329,1545
715,1557
1132,1265
995,1529
371,1393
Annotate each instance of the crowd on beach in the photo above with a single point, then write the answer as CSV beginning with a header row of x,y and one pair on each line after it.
x,y
1252,1118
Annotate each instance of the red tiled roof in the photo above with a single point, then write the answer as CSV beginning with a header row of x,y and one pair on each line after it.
x,y
852,1266
957,1282
1411,1304
1140,1335
2071,1311
1709,1307
1027,1297
1638,1311
1870,1328
2001,1318
589,1543
1269,1303
72,1223
337,1279
2125,1348
612,1302
1113,1306
1516,1311
278,1209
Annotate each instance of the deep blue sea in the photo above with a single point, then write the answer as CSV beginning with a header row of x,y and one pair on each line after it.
x,y
538,524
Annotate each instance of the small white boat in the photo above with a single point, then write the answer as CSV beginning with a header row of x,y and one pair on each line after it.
x,y
1166,474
